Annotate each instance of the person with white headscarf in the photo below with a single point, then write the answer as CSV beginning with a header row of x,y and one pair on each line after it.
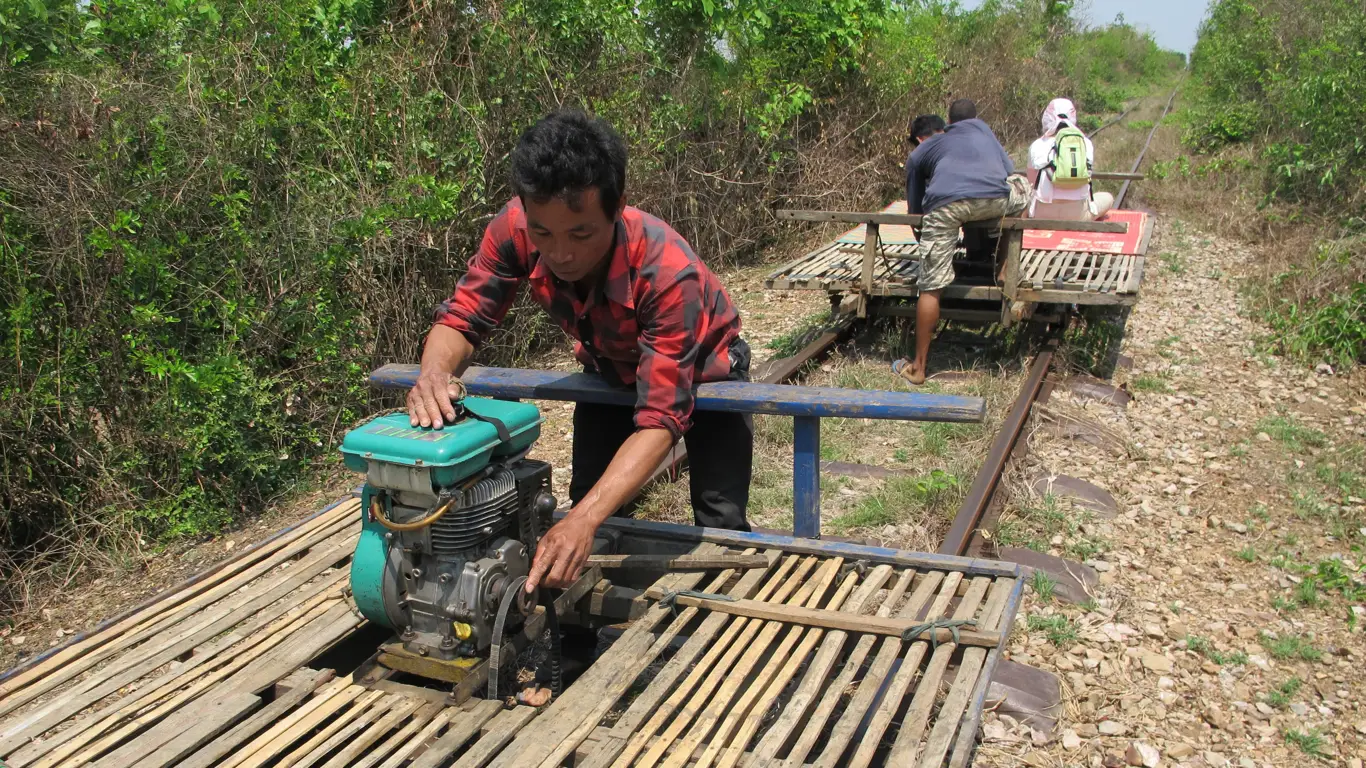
x,y
1059,202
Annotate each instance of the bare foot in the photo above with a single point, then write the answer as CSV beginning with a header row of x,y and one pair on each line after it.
x,y
916,376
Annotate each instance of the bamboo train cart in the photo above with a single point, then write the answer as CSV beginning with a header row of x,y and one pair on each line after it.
x,y
771,650
1007,269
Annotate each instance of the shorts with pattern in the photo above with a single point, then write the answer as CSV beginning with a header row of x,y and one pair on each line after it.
x,y
939,232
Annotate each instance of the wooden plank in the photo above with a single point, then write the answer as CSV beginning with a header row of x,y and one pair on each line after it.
x,y
1095,271
344,732
181,733
330,698
252,604
679,562
503,729
646,529
209,755
1012,242
816,728
408,746
910,669
791,592
951,711
108,725
915,220
367,702
734,751
662,685
725,396
1135,279
827,619
368,737
734,636
1145,237
464,728
572,717
155,624
748,679
993,615
865,698
870,244
813,682
789,266
419,722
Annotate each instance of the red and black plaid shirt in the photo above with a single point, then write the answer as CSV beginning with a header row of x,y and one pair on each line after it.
x,y
659,320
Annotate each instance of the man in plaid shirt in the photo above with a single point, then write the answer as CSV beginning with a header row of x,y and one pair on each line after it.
x,y
646,314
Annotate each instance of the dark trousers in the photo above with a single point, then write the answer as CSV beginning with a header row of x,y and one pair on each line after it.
x,y
720,458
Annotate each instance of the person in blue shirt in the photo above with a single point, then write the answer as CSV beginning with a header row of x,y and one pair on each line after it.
x,y
960,175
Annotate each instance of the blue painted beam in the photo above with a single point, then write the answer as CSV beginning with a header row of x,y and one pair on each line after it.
x,y
806,477
732,396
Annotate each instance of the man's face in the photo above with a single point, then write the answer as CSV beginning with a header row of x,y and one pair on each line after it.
x,y
572,238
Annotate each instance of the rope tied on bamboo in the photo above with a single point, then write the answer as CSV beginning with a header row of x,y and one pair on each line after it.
x,y
913,633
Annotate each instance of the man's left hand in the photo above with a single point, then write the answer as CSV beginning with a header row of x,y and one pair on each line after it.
x,y
562,552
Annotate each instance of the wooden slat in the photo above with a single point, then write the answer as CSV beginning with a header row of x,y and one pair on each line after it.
x,y
719,714
465,728
345,732
861,706
812,684
407,733
253,604
501,731
816,728
734,751
710,672
915,220
951,711
155,622
308,681
927,688
1104,264
571,718
826,619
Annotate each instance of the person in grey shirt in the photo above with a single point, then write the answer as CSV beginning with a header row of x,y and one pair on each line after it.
x,y
954,177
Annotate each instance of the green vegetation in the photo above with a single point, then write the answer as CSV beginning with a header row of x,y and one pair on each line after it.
x,y
1059,629
806,331
1290,647
932,494
1043,585
216,217
1248,554
1278,95
1290,433
1150,382
1309,742
1280,698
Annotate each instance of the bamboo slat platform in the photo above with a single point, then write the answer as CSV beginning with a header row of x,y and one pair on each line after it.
x,y
805,667
1045,276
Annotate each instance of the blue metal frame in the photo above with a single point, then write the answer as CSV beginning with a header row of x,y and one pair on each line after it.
x,y
807,406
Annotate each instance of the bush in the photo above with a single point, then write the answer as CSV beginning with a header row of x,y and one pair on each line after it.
x,y
217,217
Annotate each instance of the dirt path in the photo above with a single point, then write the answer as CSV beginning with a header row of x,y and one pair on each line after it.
x,y
1226,628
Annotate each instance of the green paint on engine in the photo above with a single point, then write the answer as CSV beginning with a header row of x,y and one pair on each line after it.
x,y
367,567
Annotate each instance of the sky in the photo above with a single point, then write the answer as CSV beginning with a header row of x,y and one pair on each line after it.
x,y
1172,22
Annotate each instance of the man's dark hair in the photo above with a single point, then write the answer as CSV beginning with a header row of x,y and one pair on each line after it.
x,y
924,126
565,153
962,109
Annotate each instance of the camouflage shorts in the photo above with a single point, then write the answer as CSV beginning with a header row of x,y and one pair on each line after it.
x,y
939,233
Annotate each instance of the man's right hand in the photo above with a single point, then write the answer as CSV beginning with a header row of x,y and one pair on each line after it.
x,y
431,402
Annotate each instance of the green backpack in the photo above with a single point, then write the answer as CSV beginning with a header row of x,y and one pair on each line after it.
x,y
1069,167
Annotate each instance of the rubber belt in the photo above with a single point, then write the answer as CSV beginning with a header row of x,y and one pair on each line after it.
x,y
496,650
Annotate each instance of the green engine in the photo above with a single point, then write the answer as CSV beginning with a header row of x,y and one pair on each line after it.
x,y
450,519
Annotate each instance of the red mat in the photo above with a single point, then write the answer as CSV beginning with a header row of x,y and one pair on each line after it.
x,y
1094,242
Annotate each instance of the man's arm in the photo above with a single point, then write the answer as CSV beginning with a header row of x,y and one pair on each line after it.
x,y
664,403
479,303
564,549
915,186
